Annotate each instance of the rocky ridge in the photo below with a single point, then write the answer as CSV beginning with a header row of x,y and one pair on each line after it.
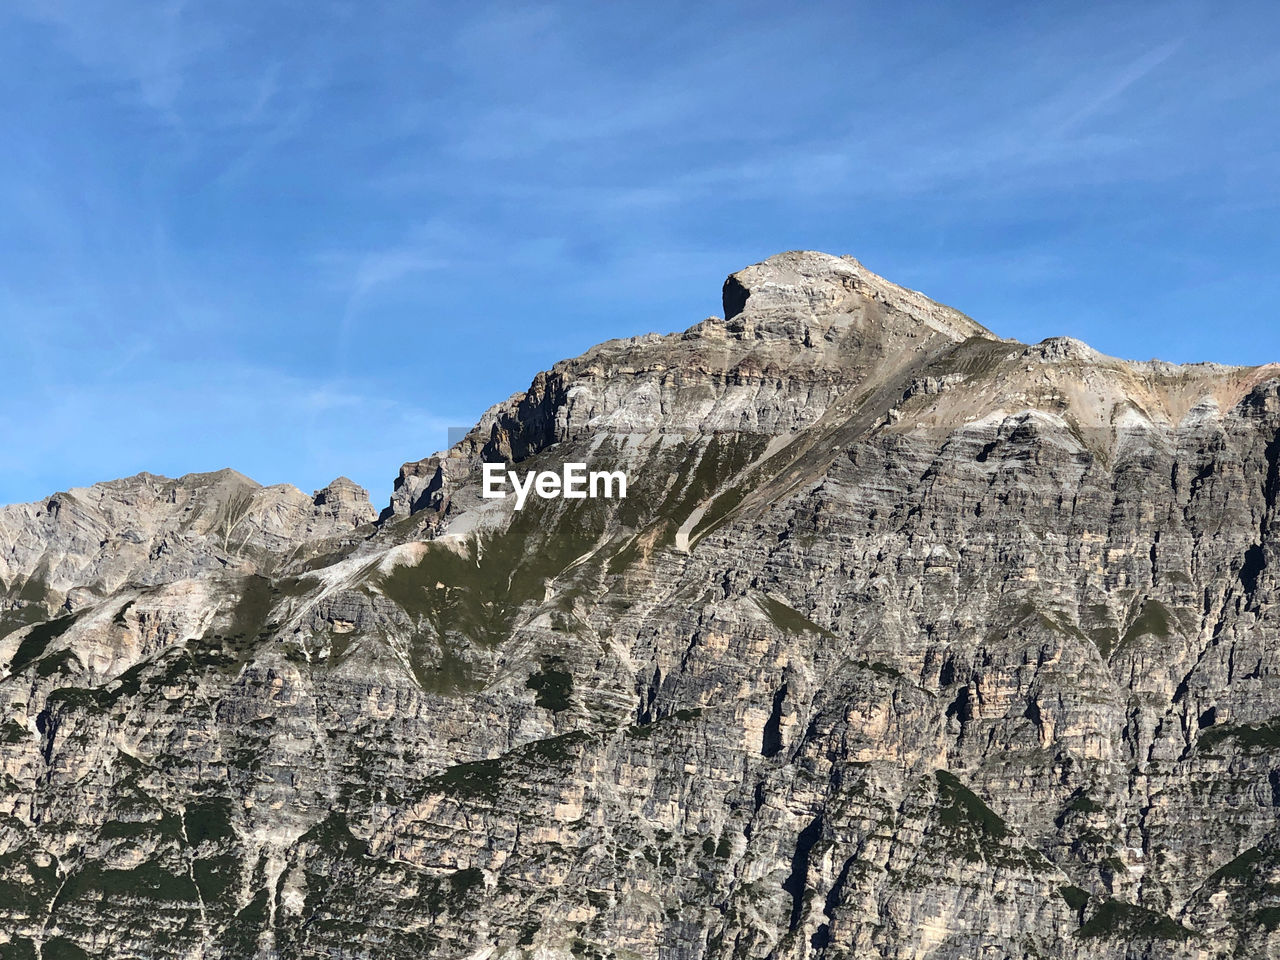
x,y
908,641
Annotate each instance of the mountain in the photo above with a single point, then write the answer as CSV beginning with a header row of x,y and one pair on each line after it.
x,y
906,641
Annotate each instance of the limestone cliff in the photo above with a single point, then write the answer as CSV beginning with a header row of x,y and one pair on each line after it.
x,y
908,641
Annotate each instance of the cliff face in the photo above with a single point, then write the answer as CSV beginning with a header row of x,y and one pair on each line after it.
x,y
908,641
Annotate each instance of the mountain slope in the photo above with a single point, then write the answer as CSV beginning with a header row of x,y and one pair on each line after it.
x,y
907,641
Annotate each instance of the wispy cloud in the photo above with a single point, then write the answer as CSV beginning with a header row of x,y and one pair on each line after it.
x,y
1114,87
144,46
381,268
119,426
327,207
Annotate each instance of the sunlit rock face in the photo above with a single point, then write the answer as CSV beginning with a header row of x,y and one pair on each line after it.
x,y
906,641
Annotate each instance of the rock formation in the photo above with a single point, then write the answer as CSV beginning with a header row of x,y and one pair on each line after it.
x,y
908,641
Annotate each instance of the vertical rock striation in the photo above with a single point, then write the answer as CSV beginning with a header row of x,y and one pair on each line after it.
x,y
908,641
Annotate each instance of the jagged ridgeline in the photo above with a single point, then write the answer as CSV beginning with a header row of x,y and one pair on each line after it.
x,y
906,641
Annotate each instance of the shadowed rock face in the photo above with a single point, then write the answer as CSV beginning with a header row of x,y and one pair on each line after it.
x,y
908,641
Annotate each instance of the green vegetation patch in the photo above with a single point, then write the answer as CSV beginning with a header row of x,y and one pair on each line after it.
x,y
974,357
248,623
552,688
786,618
147,881
1075,897
20,948
60,948
11,731
472,596
673,482
480,779
643,731
1105,639
708,468
25,887
249,617
333,836
884,669
720,850
1081,802
1260,736
63,663
476,592
35,643
240,936
553,750
1127,921
1240,869
1268,917
965,814
215,877
486,780
1154,620
19,617
464,881
1248,879
1028,614
208,821
294,587
718,511
35,588
146,676
976,831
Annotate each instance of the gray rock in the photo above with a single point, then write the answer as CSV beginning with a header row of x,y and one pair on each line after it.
x,y
907,641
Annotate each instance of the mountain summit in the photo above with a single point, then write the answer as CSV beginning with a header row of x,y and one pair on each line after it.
x,y
906,641
791,285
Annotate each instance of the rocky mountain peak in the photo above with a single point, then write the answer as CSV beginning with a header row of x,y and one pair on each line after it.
x,y
801,330
907,641
345,501
808,284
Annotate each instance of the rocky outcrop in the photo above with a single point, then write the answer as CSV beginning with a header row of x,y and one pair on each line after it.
x,y
340,506
151,530
815,329
907,641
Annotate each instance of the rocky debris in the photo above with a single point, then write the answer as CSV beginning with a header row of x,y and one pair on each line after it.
x,y
908,641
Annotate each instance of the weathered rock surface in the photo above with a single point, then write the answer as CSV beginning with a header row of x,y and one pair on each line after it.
x,y
908,641
151,530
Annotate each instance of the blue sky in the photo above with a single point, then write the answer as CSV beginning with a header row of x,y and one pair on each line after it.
x,y
303,239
